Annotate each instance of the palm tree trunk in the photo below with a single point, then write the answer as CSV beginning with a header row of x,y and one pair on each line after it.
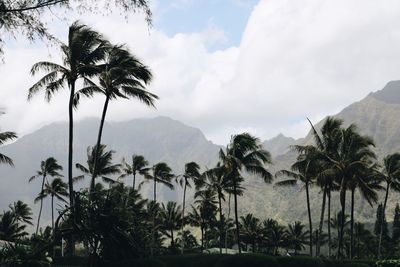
x,y
52,212
329,223
70,162
172,239
382,220
352,223
134,181
343,206
236,215
103,117
309,218
202,239
153,237
321,221
226,231
220,223
183,216
41,205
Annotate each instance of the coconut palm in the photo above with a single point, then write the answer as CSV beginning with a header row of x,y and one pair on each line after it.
x,y
390,174
171,216
250,228
6,137
84,49
138,166
304,170
244,154
105,167
122,76
296,236
22,212
10,230
192,173
48,168
57,189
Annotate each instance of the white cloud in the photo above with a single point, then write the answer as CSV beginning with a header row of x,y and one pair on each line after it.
x,y
296,59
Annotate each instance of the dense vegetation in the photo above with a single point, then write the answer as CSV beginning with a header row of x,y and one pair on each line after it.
x,y
109,222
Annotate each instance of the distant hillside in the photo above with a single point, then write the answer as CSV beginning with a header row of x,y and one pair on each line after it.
x,y
279,145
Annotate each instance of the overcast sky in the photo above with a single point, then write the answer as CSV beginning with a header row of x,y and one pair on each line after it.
x,y
227,66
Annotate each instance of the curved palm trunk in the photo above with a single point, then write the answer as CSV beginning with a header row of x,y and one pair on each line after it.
x,y
103,117
41,205
309,218
236,214
329,223
382,220
220,223
70,162
352,224
343,206
321,221
183,216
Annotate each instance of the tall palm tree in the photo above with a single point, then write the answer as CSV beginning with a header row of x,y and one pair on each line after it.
x,y
304,170
215,179
296,236
48,167
390,174
22,212
353,153
6,137
171,216
326,142
56,189
243,154
105,166
122,76
84,49
192,173
138,166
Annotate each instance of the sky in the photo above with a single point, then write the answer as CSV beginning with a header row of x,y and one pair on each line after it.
x,y
228,66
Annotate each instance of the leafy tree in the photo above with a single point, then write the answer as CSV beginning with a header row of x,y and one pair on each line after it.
x,y
48,167
25,17
390,174
244,153
138,166
6,137
171,216
296,236
121,75
187,239
85,48
192,173
56,189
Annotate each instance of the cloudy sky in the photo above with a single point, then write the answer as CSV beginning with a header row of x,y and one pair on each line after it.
x,y
227,66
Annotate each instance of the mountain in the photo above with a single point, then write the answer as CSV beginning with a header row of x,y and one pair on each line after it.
x,y
279,145
158,139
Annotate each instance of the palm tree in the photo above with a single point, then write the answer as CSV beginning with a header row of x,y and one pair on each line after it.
x,y
275,235
105,166
244,153
353,153
296,236
216,180
56,189
304,170
9,228
192,173
390,174
138,166
250,227
122,76
171,216
48,167
6,137
22,212
85,48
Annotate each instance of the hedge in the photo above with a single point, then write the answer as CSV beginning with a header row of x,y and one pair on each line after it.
x,y
245,260
300,261
191,260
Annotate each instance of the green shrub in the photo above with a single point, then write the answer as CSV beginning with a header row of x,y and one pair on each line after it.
x,y
349,263
71,261
247,260
191,260
135,263
300,262
388,263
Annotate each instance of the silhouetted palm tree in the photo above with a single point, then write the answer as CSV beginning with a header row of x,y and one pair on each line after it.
x,y
56,189
84,49
171,216
138,166
6,137
244,153
251,230
22,212
304,170
296,236
48,167
10,230
122,76
192,173
390,174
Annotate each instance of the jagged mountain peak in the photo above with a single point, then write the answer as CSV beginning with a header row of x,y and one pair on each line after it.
x,y
389,94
